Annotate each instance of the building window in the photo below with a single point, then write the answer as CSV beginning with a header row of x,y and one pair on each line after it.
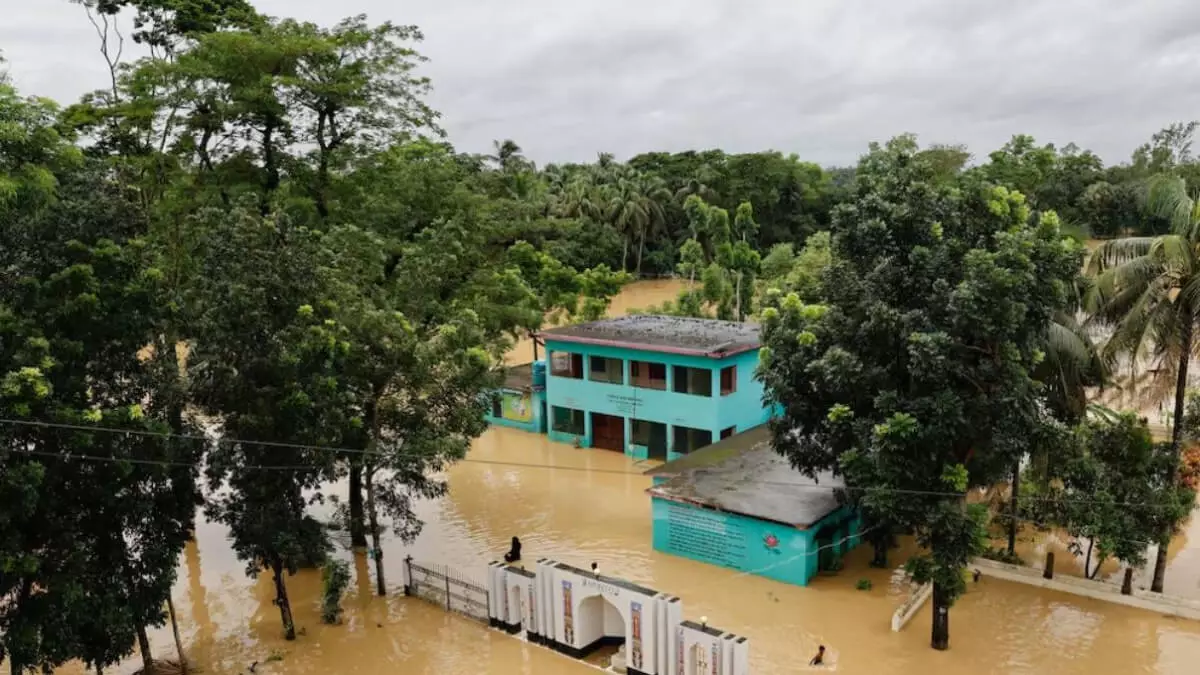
x,y
606,370
650,435
688,439
728,432
566,364
695,381
567,420
728,380
648,375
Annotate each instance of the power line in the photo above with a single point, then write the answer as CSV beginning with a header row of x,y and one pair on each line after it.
x,y
468,460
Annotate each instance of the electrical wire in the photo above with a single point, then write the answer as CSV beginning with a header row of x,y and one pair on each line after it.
x,y
467,460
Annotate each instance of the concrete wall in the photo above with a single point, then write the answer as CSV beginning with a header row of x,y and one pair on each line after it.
x,y
751,545
743,409
512,404
1154,602
728,540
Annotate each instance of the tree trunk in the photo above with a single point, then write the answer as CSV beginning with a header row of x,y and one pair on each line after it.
x,y
358,532
940,638
144,648
881,554
1087,561
1012,508
175,631
377,550
281,599
641,250
1164,542
625,255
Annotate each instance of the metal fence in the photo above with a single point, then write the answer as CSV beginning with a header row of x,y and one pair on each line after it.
x,y
446,586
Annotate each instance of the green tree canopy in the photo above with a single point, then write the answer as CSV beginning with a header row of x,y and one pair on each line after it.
x,y
913,379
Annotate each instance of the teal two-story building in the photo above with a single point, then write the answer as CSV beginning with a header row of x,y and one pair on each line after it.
x,y
684,391
653,387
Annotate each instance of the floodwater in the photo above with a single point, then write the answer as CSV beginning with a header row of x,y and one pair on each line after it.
x,y
583,506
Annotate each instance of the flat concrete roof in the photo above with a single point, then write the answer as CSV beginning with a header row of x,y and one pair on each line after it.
x,y
743,474
670,334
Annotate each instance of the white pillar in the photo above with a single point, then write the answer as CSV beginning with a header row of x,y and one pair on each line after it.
x,y
727,653
546,588
494,590
662,634
674,618
741,656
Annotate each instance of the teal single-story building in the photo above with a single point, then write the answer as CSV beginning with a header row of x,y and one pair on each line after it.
x,y
739,504
521,402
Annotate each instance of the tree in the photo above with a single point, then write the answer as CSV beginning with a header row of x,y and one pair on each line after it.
x,y
164,24
1115,489
913,379
353,91
1148,290
633,205
948,161
270,348
743,261
417,357
79,300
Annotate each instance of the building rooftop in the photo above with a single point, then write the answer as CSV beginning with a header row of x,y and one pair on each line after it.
x,y
519,378
743,474
671,334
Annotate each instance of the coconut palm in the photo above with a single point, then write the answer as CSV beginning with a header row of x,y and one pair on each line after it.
x,y
1148,290
1074,364
633,205
507,155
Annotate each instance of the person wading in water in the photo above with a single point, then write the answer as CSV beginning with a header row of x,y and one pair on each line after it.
x,y
819,659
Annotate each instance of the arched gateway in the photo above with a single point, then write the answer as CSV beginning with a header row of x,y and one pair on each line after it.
x,y
576,612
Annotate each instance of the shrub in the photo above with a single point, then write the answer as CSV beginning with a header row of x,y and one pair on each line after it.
x,y
335,576
1002,555
863,585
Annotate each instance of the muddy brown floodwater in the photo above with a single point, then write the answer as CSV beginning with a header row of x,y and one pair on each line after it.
x,y
581,506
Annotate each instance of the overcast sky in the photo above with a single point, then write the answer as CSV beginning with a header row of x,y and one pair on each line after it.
x,y
569,78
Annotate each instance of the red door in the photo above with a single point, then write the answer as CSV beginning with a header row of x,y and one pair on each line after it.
x,y
608,432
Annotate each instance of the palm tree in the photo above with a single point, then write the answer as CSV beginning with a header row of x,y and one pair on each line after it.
x,y
633,206
507,155
1148,289
1074,364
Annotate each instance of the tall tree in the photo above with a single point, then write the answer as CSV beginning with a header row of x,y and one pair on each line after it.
x,y
268,353
78,301
1148,290
913,380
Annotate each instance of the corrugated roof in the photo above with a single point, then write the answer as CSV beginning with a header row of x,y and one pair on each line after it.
x,y
743,474
673,334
